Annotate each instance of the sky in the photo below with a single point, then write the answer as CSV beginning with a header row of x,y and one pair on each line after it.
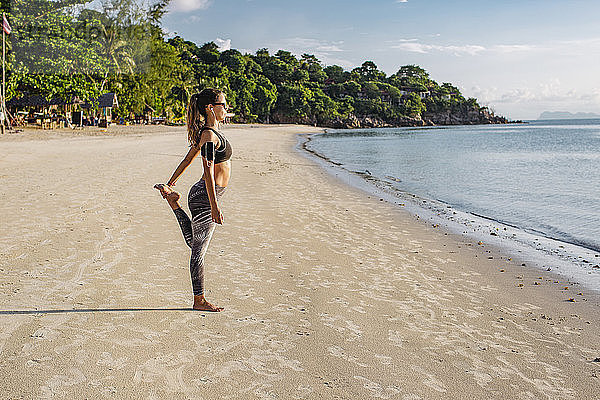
x,y
520,58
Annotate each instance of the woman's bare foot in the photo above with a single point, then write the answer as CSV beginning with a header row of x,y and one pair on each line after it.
x,y
169,194
201,304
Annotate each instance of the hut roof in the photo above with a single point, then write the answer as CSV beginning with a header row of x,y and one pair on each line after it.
x,y
40,101
27,101
108,100
103,101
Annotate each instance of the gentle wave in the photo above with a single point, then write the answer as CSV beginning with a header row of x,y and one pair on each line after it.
x,y
541,177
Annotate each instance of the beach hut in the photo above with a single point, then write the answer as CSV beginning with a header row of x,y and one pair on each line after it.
x,y
48,114
106,103
68,110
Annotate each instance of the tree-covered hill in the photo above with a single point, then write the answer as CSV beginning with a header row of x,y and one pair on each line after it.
x,y
61,49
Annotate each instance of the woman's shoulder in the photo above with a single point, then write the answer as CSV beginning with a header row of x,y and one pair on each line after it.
x,y
209,135
206,132
208,128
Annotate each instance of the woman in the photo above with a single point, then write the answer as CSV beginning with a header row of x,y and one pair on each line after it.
x,y
205,111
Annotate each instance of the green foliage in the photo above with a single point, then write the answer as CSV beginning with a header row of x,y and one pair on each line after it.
x,y
265,96
60,48
368,72
294,100
50,53
413,71
413,105
335,73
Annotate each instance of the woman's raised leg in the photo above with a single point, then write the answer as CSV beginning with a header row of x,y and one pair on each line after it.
x,y
172,198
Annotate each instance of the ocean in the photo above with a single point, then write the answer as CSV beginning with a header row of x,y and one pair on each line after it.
x,y
539,179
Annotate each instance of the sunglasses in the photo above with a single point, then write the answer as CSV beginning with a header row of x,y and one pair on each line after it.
x,y
225,106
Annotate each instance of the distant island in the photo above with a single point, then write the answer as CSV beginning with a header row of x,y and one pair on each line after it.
x,y
567,115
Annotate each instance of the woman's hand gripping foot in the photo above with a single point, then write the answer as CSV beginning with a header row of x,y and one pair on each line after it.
x,y
201,304
169,194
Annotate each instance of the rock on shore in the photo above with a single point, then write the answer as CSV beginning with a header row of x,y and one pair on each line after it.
x,y
470,117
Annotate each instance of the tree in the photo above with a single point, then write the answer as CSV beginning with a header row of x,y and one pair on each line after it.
x,y
209,53
277,71
299,75
352,88
49,56
335,73
61,48
265,97
368,72
413,105
287,58
412,71
323,108
233,60
294,100
262,57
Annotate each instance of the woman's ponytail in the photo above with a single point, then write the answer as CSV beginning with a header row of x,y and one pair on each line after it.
x,y
196,112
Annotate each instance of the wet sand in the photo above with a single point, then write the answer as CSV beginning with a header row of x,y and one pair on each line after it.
x,y
329,293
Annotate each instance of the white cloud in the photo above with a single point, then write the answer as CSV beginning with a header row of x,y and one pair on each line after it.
x,y
594,42
193,19
401,1
529,102
328,60
328,52
564,47
188,5
415,47
519,79
223,44
513,48
545,96
592,97
305,45
168,33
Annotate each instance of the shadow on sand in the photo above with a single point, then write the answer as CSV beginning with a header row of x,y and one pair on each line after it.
x,y
88,310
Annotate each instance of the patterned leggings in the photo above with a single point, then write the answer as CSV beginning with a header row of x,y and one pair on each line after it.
x,y
198,231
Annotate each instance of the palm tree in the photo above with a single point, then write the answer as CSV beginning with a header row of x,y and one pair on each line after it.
x,y
117,50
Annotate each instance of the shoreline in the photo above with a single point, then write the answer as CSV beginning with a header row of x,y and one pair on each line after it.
x,y
328,291
123,129
533,249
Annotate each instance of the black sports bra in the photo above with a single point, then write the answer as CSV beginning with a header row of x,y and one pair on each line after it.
x,y
223,153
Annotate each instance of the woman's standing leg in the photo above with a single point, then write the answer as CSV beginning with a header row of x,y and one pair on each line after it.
x,y
202,231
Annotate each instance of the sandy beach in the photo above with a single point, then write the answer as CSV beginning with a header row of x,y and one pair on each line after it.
x,y
329,293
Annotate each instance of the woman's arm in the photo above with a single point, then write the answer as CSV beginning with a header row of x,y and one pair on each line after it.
x,y
209,178
192,153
